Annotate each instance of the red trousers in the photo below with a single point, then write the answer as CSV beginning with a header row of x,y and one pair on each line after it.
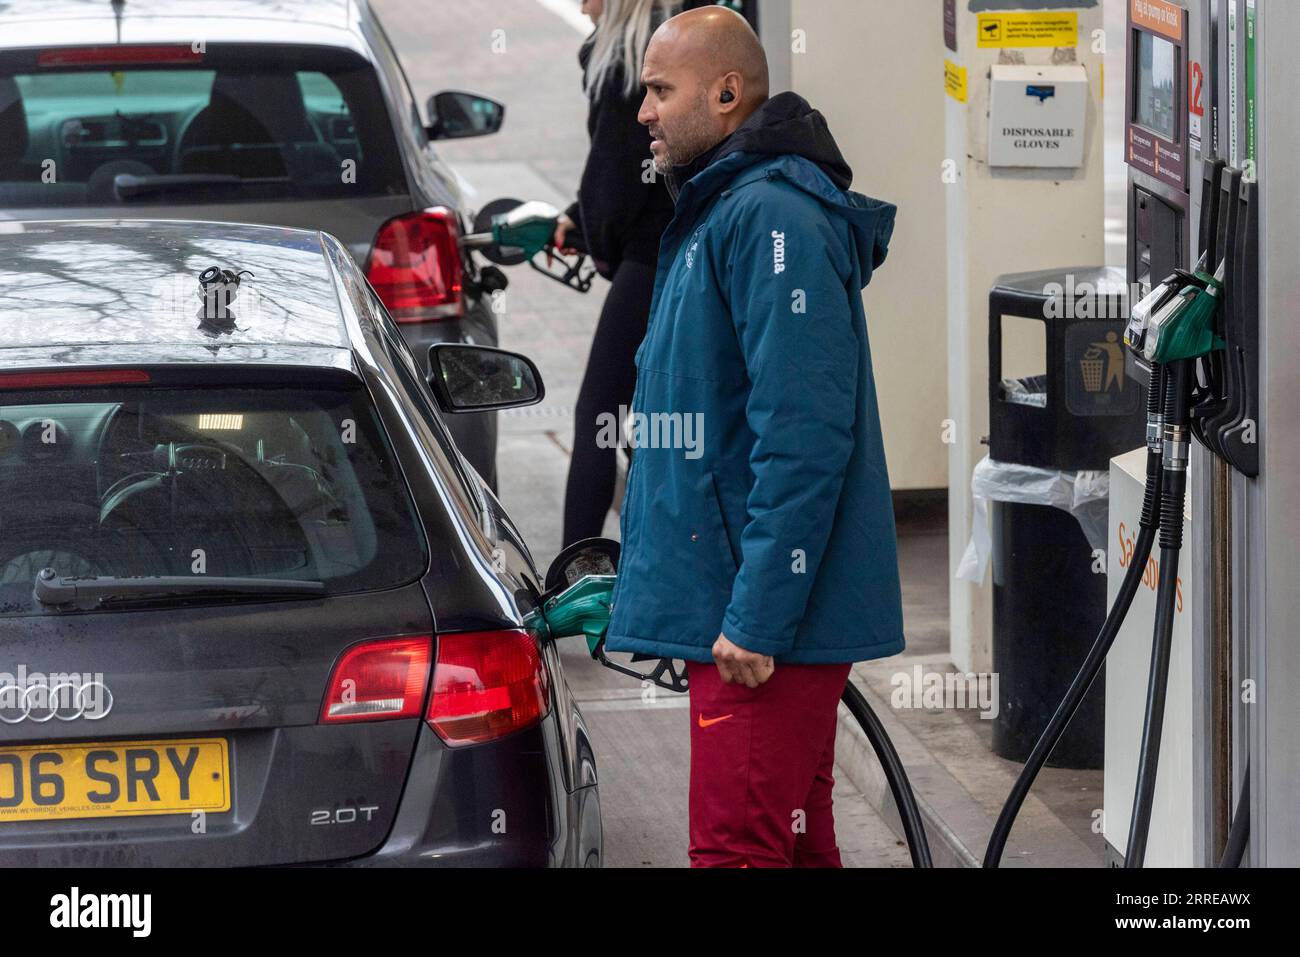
x,y
761,767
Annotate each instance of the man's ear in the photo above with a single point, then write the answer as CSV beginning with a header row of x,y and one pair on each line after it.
x,y
731,92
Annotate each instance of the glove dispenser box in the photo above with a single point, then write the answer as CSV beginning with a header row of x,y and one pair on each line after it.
x,y
1037,116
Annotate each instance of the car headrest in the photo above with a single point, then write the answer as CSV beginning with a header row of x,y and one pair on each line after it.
x,y
260,107
13,121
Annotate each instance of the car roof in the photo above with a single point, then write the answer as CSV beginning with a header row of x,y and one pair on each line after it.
x,y
81,292
57,23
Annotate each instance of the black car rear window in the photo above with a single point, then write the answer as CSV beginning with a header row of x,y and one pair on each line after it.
x,y
228,124
283,483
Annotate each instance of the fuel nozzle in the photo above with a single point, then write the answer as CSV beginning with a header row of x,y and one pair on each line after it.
x,y
521,231
1176,319
584,609
508,232
1135,334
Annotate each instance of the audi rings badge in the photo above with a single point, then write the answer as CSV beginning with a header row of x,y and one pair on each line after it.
x,y
65,700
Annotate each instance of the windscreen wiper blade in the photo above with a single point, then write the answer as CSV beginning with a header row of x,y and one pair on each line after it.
x,y
129,186
55,591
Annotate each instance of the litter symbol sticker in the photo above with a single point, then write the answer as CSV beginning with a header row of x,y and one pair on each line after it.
x,y
1095,374
998,30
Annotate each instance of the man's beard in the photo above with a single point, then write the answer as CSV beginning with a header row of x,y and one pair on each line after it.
x,y
696,135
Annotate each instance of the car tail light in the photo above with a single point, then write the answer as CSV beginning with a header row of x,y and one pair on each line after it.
x,y
120,55
68,380
378,680
486,685
415,266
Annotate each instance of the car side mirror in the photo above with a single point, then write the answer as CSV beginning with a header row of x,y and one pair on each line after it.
x,y
455,115
468,378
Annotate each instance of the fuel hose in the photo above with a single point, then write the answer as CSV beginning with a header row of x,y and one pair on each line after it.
x,y
1162,507
895,774
1173,493
1234,852
1148,524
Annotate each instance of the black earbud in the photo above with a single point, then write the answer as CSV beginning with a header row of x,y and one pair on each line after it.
x,y
727,96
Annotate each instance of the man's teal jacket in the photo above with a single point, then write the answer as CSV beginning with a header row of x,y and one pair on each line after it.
x,y
758,504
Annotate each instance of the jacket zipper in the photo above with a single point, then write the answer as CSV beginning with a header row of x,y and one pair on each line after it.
x,y
632,484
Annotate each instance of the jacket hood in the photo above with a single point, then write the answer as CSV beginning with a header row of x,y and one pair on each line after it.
x,y
787,125
786,137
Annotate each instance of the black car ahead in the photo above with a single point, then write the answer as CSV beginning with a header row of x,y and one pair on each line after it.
x,y
254,606
290,113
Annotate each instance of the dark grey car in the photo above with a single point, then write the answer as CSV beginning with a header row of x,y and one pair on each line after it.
x,y
284,112
254,606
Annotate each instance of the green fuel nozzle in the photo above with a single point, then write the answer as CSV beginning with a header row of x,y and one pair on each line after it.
x,y
584,609
1177,320
581,609
527,229
508,232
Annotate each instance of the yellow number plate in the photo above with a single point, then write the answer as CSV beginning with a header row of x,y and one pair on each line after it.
x,y
118,779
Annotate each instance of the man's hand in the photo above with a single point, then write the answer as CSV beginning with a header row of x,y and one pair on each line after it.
x,y
736,664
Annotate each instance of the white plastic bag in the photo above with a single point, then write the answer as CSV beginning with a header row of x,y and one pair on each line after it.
x,y
1085,495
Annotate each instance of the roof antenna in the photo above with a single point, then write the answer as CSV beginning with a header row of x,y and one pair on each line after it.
x,y
118,7
218,288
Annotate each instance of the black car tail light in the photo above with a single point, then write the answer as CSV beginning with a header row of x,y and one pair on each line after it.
x,y
415,266
378,680
487,684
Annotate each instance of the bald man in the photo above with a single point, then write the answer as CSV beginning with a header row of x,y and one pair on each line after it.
x,y
758,528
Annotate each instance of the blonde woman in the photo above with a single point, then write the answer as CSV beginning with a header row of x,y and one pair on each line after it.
x,y
621,211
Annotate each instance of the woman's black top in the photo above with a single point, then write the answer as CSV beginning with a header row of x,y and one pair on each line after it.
x,y
619,216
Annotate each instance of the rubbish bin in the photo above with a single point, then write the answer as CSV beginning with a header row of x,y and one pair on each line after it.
x,y
1051,438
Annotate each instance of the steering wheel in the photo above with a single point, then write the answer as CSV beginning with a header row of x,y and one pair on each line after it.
x,y
126,488
134,484
234,507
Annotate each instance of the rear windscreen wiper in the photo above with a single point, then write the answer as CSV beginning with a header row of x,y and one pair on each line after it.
x,y
129,186
56,591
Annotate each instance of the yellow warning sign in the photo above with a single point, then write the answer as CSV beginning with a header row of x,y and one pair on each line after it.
x,y
1028,29
954,81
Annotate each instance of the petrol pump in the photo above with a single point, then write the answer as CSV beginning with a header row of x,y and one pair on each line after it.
x,y
1209,101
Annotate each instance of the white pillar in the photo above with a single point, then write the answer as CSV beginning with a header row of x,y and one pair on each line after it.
x,y
868,65
1002,221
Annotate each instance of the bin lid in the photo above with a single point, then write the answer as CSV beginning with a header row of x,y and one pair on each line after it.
x,y
1031,289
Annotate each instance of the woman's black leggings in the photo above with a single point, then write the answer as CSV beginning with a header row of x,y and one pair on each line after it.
x,y
607,384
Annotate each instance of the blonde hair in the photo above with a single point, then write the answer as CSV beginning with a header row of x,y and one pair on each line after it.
x,y
620,40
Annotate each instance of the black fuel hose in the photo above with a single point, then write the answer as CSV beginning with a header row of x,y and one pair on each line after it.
x,y
1162,507
1153,723
1073,699
1174,490
895,774
1148,524
1234,852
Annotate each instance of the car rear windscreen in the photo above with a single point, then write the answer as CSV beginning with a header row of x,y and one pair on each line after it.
x,y
229,124
280,483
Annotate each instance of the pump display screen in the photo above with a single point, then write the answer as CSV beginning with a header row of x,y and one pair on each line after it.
x,y
1157,60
